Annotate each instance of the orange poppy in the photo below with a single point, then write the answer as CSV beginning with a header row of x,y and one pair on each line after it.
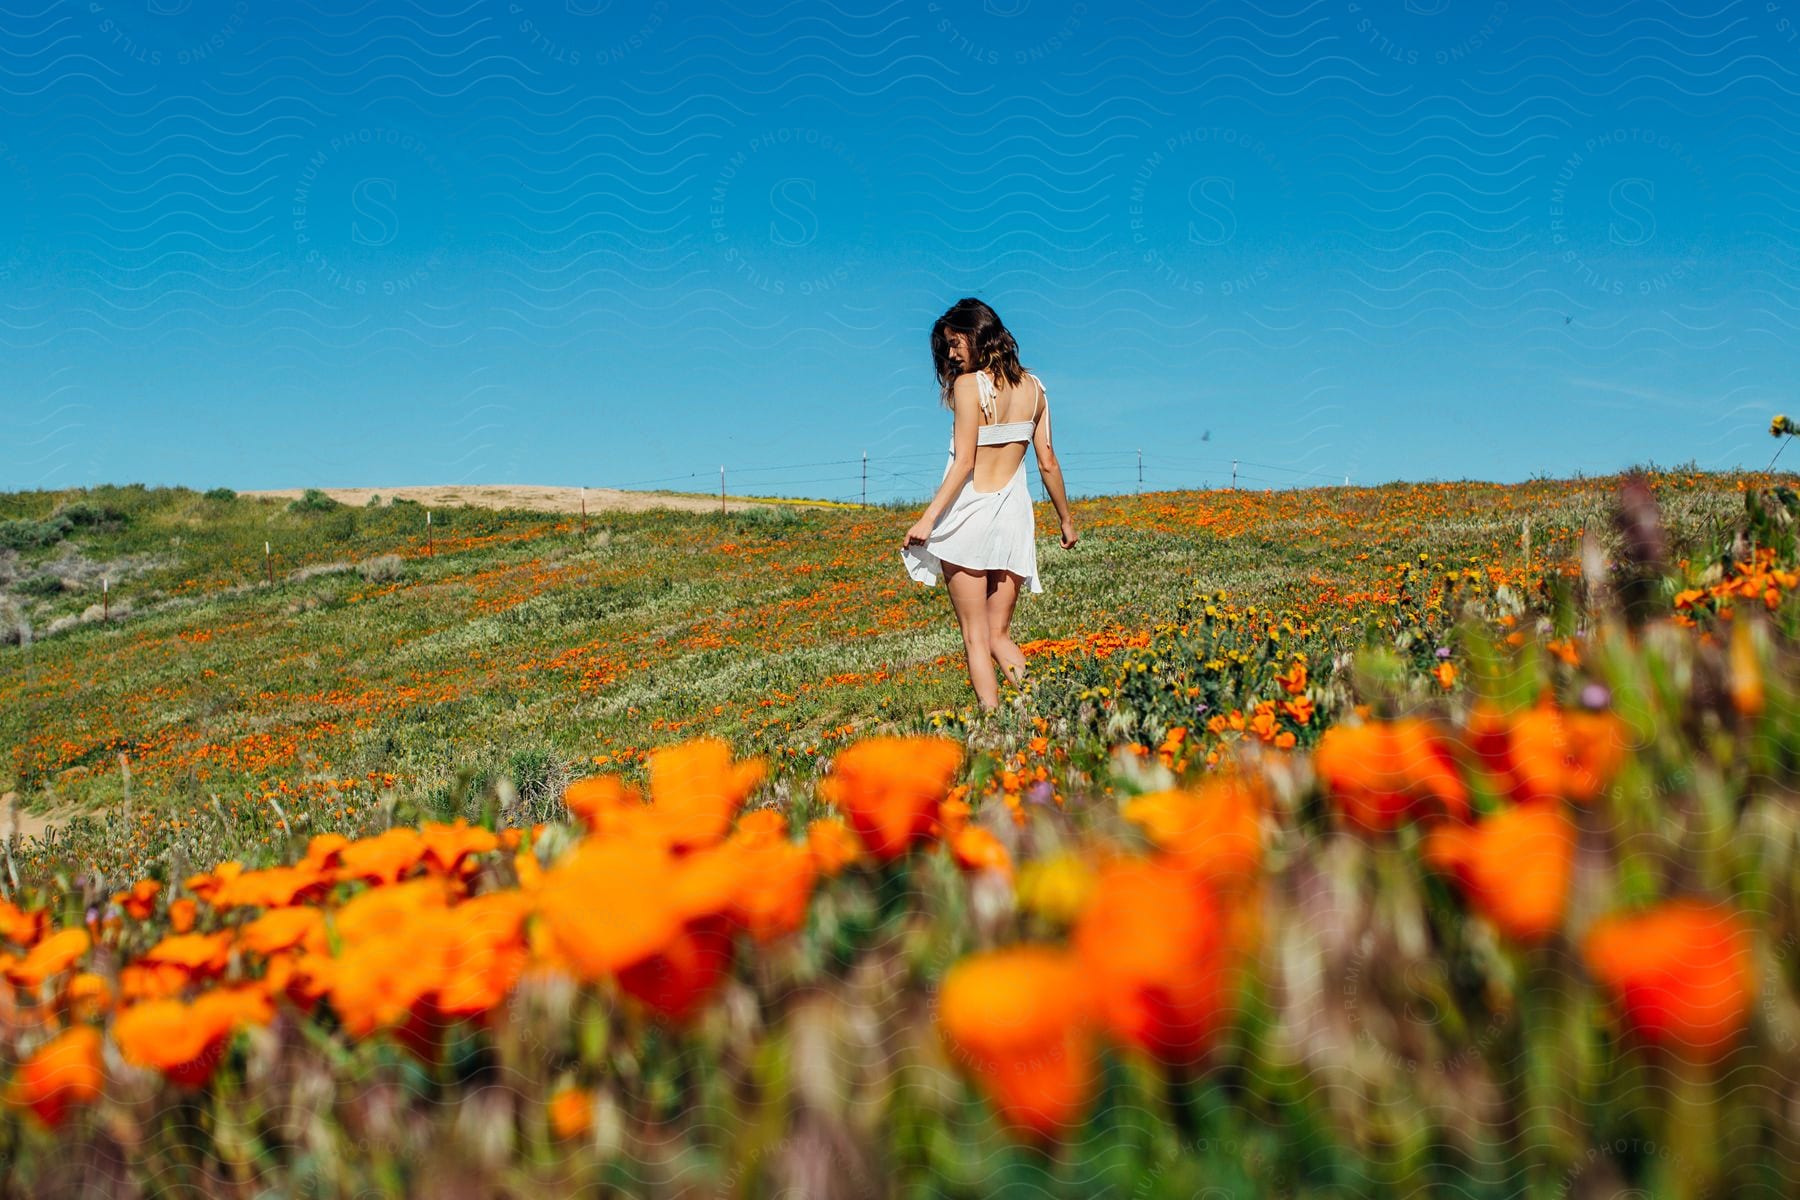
x,y
271,887
1214,830
447,845
283,929
1156,948
696,789
772,894
1019,1018
596,798
976,848
571,1111
183,1040
764,824
201,955
680,977
484,954
88,996
1548,753
52,956
1514,866
20,927
890,787
323,850
383,858
1382,773
604,906
832,845
206,884
1682,973
140,901
63,1074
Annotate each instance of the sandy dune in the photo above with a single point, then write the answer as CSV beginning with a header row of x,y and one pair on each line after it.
x,y
540,499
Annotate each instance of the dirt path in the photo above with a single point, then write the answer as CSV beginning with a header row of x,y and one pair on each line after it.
x,y
30,824
539,499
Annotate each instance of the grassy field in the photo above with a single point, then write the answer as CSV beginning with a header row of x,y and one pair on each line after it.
x,y
521,647
375,673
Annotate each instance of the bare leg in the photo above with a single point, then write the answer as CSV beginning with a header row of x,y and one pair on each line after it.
x,y
968,596
1002,594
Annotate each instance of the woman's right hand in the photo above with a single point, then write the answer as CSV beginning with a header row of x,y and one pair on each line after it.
x,y
1069,537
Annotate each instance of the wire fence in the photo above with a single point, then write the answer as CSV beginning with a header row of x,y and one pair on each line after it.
x,y
899,478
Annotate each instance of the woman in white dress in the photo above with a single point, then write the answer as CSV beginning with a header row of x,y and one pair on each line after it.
x,y
979,534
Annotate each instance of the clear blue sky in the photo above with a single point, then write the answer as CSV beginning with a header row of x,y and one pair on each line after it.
x,y
622,242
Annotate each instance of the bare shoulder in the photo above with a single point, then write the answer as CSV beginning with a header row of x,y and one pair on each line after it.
x,y
965,393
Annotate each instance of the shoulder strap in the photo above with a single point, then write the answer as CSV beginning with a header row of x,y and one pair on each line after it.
x,y
1043,398
986,387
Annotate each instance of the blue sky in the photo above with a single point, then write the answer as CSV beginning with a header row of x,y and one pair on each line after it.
x,y
623,242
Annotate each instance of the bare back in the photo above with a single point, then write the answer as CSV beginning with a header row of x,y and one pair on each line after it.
x,y
994,465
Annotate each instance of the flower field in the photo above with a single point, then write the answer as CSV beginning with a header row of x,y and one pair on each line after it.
x,y
1418,840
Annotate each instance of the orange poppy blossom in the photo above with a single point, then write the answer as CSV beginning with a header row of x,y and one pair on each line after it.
x,y
696,789
88,996
272,887
977,849
185,1039
52,956
1020,1019
63,1074
1547,752
20,927
140,901
183,911
1213,829
889,789
571,1111
832,845
775,887
284,929
207,883
594,799
1682,972
1514,866
1158,949
384,858
449,847
1384,772
603,906
409,959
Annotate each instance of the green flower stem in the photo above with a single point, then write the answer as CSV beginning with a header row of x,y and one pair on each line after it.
x,y
1692,1131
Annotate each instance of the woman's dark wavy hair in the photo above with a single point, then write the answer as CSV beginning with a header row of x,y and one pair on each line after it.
x,y
991,346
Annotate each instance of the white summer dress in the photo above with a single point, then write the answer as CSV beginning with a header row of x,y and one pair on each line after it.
x,y
993,531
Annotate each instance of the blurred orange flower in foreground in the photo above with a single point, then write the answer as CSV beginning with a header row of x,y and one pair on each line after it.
x,y
1156,949
1018,1018
571,1111
63,1074
184,1039
696,789
1682,973
889,788
1384,772
1514,866
1549,753
1213,830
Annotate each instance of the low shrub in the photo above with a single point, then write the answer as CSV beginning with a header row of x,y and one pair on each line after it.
x,y
313,500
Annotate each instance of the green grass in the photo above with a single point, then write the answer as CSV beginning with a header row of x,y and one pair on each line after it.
x,y
784,629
